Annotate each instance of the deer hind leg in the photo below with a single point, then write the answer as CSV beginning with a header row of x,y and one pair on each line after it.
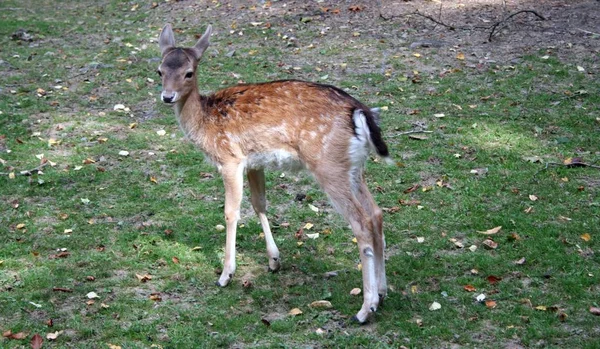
x,y
256,179
346,202
233,180
366,199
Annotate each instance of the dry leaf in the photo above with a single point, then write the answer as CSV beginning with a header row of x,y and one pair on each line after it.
x,y
586,237
491,231
155,297
112,346
308,226
143,278
492,279
460,56
490,244
595,311
313,236
219,227
435,306
92,295
355,291
490,304
520,261
533,197
541,308
53,335
321,304
36,341
175,260
469,288
295,311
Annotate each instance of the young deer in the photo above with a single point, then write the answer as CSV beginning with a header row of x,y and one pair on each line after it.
x,y
290,124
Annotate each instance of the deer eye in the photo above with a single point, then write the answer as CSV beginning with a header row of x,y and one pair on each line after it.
x,y
159,73
189,75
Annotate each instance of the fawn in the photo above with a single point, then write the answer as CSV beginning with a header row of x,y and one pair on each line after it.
x,y
291,124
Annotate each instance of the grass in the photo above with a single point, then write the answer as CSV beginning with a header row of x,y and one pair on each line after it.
x,y
155,211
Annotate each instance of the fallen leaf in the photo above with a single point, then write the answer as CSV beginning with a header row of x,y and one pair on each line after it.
x,y
219,227
490,244
355,8
53,335
20,226
562,317
520,261
161,132
321,304
460,56
595,311
314,208
92,295
153,180
490,304
19,335
124,153
491,231
355,291
586,237
295,311
36,341
472,248
435,306
143,278
155,297
112,346
320,331
532,159
533,197
469,288
313,236
175,260
541,308
480,297
420,239
492,279
411,189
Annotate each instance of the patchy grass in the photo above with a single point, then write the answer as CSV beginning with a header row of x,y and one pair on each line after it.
x,y
95,219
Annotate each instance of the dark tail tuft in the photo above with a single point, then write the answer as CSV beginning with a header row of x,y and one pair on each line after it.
x,y
378,142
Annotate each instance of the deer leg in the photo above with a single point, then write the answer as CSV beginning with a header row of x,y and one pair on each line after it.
x,y
256,179
346,202
366,199
233,180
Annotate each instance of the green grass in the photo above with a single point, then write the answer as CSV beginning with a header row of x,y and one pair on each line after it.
x,y
155,211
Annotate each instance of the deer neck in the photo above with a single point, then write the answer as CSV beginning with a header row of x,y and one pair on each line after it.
x,y
189,114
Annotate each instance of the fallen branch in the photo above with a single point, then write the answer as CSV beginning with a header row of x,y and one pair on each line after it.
x,y
495,25
27,172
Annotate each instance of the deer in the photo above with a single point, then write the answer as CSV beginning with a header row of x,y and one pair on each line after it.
x,y
289,124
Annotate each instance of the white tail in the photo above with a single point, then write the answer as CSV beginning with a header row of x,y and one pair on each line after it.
x,y
245,128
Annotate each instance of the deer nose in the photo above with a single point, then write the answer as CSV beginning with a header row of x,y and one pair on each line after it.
x,y
169,97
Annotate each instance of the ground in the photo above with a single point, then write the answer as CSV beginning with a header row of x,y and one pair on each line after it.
x,y
126,208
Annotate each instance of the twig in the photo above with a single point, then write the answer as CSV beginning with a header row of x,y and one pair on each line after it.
x,y
587,32
574,164
495,25
28,172
412,132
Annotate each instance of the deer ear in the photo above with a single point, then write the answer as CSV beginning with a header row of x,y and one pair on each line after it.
x,y
202,43
166,40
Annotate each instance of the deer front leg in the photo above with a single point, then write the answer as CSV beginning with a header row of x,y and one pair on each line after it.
x,y
233,181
